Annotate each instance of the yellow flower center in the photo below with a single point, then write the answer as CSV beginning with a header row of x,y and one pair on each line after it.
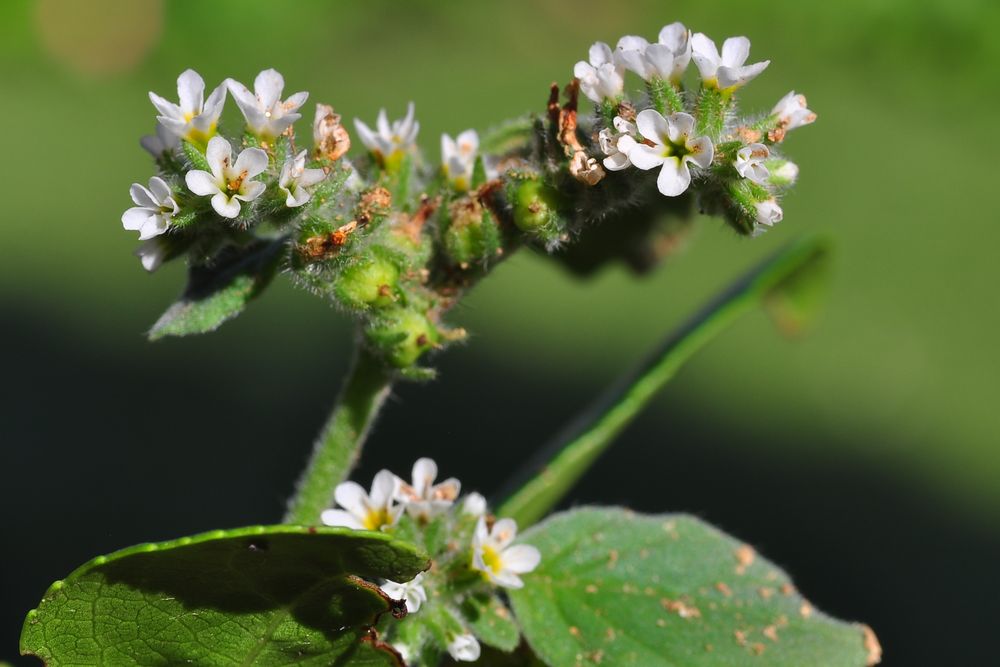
x,y
376,518
491,559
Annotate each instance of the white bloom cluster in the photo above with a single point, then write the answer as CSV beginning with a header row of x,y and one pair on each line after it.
x,y
672,141
229,182
491,551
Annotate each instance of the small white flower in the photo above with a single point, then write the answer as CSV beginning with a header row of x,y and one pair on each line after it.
x,y
194,118
666,59
229,182
725,71
412,591
602,78
768,212
151,253
616,145
157,144
474,504
673,148
792,112
786,173
154,207
464,648
750,163
388,140
423,498
266,115
295,180
458,157
364,511
493,555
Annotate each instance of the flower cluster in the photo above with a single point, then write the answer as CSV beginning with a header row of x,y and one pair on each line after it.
x,y
686,137
472,552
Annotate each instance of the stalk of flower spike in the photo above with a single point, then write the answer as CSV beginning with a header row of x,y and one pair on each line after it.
x,y
339,444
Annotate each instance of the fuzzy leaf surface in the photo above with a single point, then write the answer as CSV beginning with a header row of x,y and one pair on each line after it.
x,y
265,595
619,588
219,293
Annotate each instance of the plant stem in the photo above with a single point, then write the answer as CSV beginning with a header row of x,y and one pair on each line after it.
x,y
339,444
562,463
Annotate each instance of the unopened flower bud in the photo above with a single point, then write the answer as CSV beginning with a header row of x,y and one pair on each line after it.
x,y
536,208
371,282
783,172
403,335
470,233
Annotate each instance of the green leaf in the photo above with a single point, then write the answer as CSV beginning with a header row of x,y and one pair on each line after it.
x,y
491,622
220,292
268,595
561,463
619,588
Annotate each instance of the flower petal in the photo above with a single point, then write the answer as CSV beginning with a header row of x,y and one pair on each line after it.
x,y
735,51
652,125
645,157
674,177
383,489
702,152
425,471
674,36
739,76
201,182
507,579
250,190
166,107
191,91
503,533
352,497
155,225
160,189
521,558
252,160
134,218
142,197
218,155
599,54
227,207
268,86
706,55
340,518
679,126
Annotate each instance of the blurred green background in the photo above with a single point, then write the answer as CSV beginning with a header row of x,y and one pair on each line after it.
x,y
863,457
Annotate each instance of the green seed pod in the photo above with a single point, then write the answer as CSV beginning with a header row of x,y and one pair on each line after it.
x,y
536,209
402,335
469,233
371,281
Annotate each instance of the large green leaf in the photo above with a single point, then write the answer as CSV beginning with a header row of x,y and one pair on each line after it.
x,y
219,292
619,588
273,595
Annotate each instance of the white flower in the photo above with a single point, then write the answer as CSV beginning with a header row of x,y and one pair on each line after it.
x,y
364,511
673,148
412,591
423,498
666,59
768,212
725,71
194,118
474,504
157,144
750,162
616,145
388,139
267,116
295,179
151,253
458,157
792,112
464,648
229,182
500,562
786,173
602,78
154,207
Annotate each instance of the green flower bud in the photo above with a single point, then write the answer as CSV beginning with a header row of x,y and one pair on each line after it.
x,y
370,282
536,207
402,336
470,234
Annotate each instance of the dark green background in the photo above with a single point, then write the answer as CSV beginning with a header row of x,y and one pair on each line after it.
x,y
863,458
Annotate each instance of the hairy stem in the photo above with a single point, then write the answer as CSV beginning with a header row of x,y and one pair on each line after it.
x,y
339,444
568,457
